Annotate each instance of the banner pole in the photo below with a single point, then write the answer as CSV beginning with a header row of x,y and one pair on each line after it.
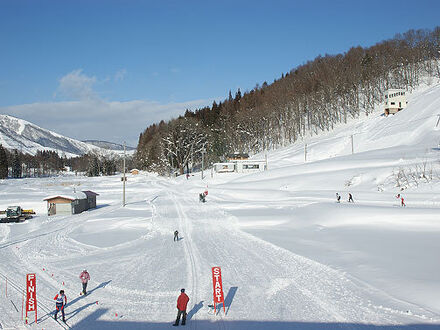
x,y
22,304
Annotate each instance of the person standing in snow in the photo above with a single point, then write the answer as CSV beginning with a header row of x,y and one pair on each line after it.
x,y
176,236
350,198
61,301
85,277
182,302
338,198
402,201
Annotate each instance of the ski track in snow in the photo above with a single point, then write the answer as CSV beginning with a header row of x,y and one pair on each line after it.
x,y
261,273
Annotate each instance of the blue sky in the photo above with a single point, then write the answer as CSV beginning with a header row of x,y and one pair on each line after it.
x,y
105,60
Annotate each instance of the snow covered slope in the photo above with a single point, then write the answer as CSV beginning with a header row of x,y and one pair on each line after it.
x,y
24,136
109,145
291,257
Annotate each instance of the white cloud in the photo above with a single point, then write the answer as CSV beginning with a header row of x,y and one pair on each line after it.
x,y
88,116
77,86
98,119
120,75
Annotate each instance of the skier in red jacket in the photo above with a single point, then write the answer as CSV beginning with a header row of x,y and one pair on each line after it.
x,y
182,301
61,301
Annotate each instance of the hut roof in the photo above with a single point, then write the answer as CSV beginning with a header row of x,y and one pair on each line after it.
x,y
74,196
90,193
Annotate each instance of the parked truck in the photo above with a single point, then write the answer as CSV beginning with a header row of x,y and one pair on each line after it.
x,y
16,214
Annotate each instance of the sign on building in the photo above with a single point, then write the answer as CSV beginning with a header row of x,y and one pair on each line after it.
x,y
218,288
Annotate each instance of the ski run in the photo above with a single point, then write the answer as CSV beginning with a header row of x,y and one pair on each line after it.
x,y
291,256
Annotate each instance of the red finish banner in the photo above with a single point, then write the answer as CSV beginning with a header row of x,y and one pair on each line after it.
x,y
31,295
217,286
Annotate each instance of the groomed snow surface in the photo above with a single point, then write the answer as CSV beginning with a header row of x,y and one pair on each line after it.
x,y
291,257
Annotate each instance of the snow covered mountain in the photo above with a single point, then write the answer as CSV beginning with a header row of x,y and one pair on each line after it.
x,y
28,138
109,145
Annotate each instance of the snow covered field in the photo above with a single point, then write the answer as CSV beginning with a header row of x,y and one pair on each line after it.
x,y
291,257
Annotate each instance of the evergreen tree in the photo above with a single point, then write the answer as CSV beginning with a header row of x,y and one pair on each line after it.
x,y
94,167
108,166
16,165
3,163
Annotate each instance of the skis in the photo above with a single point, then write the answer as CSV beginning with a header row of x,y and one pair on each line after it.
x,y
62,323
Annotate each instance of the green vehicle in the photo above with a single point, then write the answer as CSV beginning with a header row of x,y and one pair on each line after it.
x,y
16,214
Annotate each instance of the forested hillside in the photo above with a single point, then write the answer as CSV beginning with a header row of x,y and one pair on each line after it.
x,y
310,98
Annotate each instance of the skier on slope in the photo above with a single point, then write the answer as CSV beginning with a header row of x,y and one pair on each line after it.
x,y
402,201
176,236
182,302
61,301
85,277
350,198
338,198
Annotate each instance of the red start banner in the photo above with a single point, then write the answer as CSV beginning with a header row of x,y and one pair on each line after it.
x,y
31,295
218,287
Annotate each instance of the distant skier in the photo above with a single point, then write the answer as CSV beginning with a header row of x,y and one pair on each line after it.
x,y
350,198
402,202
398,196
338,198
182,302
176,236
187,176
61,301
85,277
202,197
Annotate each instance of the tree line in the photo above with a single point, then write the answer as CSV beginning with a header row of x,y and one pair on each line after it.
x,y
46,163
310,98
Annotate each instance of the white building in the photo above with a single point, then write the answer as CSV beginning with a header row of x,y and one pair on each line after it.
x,y
395,100
240,166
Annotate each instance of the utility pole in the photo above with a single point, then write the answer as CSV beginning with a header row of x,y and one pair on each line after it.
x,y
265,158
172,165
192,160
169,164
305,152
352,146
123,180
203,159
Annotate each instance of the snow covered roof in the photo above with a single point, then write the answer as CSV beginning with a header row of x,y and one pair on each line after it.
x,y
90,193
237,155
74,196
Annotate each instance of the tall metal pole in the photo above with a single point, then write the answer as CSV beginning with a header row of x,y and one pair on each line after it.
x,y
123,180
203,160
305,152
169,164
352,146
265,158
192,160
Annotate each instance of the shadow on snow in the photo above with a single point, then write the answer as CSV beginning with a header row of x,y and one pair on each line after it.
x,y
92,322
